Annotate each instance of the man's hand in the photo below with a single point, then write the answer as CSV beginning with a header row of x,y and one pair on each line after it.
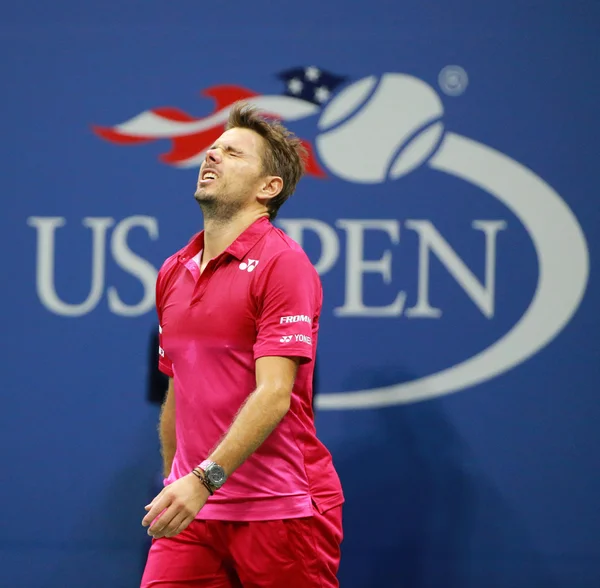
x,y
181,501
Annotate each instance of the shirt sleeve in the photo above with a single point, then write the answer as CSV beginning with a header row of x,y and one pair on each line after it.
x,y
289,306
165,365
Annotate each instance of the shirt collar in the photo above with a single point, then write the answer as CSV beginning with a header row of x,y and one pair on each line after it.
x,y
194,246
239,248
249,238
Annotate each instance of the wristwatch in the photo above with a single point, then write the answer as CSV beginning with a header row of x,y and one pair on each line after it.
x,y
215,474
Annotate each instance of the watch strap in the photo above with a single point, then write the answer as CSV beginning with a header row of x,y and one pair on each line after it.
x,y
206,463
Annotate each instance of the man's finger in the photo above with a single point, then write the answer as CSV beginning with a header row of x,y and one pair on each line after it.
x,y
157,497
184,525
161,523
176,522
157,507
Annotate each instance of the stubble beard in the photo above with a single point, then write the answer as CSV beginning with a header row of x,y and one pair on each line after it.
x,y
216,209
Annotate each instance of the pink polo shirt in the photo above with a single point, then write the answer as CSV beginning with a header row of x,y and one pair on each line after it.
x,y
260,297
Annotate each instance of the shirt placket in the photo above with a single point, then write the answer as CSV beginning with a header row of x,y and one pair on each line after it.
x,y
202,279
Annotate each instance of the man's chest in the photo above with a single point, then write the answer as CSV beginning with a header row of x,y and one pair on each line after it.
x,y
213,310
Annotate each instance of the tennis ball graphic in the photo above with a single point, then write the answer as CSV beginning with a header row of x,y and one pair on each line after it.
x,y
380,128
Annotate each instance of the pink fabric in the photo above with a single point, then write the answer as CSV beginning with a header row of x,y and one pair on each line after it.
x,y
293,553
261,297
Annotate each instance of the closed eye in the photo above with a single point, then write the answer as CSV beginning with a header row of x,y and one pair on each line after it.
x,y
233,151
229,150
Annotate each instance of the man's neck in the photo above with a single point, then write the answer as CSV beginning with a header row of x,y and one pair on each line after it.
x,y
219,235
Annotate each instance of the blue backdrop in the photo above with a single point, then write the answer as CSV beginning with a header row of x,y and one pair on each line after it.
x,y
451,209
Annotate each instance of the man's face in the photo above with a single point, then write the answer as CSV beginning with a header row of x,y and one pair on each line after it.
x,y
231,173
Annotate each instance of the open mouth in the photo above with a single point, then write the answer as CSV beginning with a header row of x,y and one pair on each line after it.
x,y
208,176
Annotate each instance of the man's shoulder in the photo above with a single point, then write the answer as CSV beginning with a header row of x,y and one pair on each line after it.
x,y
281,247
280,243
169,263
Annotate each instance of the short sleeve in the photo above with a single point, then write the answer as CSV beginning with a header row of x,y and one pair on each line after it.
x,y
289,305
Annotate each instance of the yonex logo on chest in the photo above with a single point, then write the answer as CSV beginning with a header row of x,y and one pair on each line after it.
x,y
249,267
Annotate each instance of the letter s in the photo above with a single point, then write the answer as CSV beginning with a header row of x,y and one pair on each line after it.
x,y
134,264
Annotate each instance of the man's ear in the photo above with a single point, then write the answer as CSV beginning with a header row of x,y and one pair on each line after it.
x,y
271,186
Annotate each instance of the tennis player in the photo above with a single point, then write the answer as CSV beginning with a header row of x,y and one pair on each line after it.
x,y
251,496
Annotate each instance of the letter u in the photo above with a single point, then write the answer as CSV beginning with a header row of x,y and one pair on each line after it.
x,y
45,284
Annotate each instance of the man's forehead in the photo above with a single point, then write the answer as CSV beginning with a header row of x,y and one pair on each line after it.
x,y
240,137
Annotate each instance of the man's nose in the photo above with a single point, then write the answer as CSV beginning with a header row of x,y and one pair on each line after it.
x,y
213,156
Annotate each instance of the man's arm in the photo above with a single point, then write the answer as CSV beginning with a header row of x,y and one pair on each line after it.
x,y
260,414
166,429
180,502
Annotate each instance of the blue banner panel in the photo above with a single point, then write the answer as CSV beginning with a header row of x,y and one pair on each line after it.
x,y
450,207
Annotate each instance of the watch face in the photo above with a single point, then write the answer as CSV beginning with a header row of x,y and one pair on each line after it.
x,y
215,474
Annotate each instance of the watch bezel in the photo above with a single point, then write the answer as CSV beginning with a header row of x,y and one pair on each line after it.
x,y
215,475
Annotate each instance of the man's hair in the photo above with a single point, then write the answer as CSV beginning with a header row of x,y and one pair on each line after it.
x,y
283,156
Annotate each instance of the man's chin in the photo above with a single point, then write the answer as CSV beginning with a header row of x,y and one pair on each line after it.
x,y
201,196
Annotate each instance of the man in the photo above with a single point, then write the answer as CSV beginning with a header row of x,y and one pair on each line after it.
x,y
251,496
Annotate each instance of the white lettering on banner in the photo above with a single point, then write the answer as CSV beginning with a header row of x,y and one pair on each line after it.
x,y
124,257
357,230
431,240
295,319
357,266
134,264
46,290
